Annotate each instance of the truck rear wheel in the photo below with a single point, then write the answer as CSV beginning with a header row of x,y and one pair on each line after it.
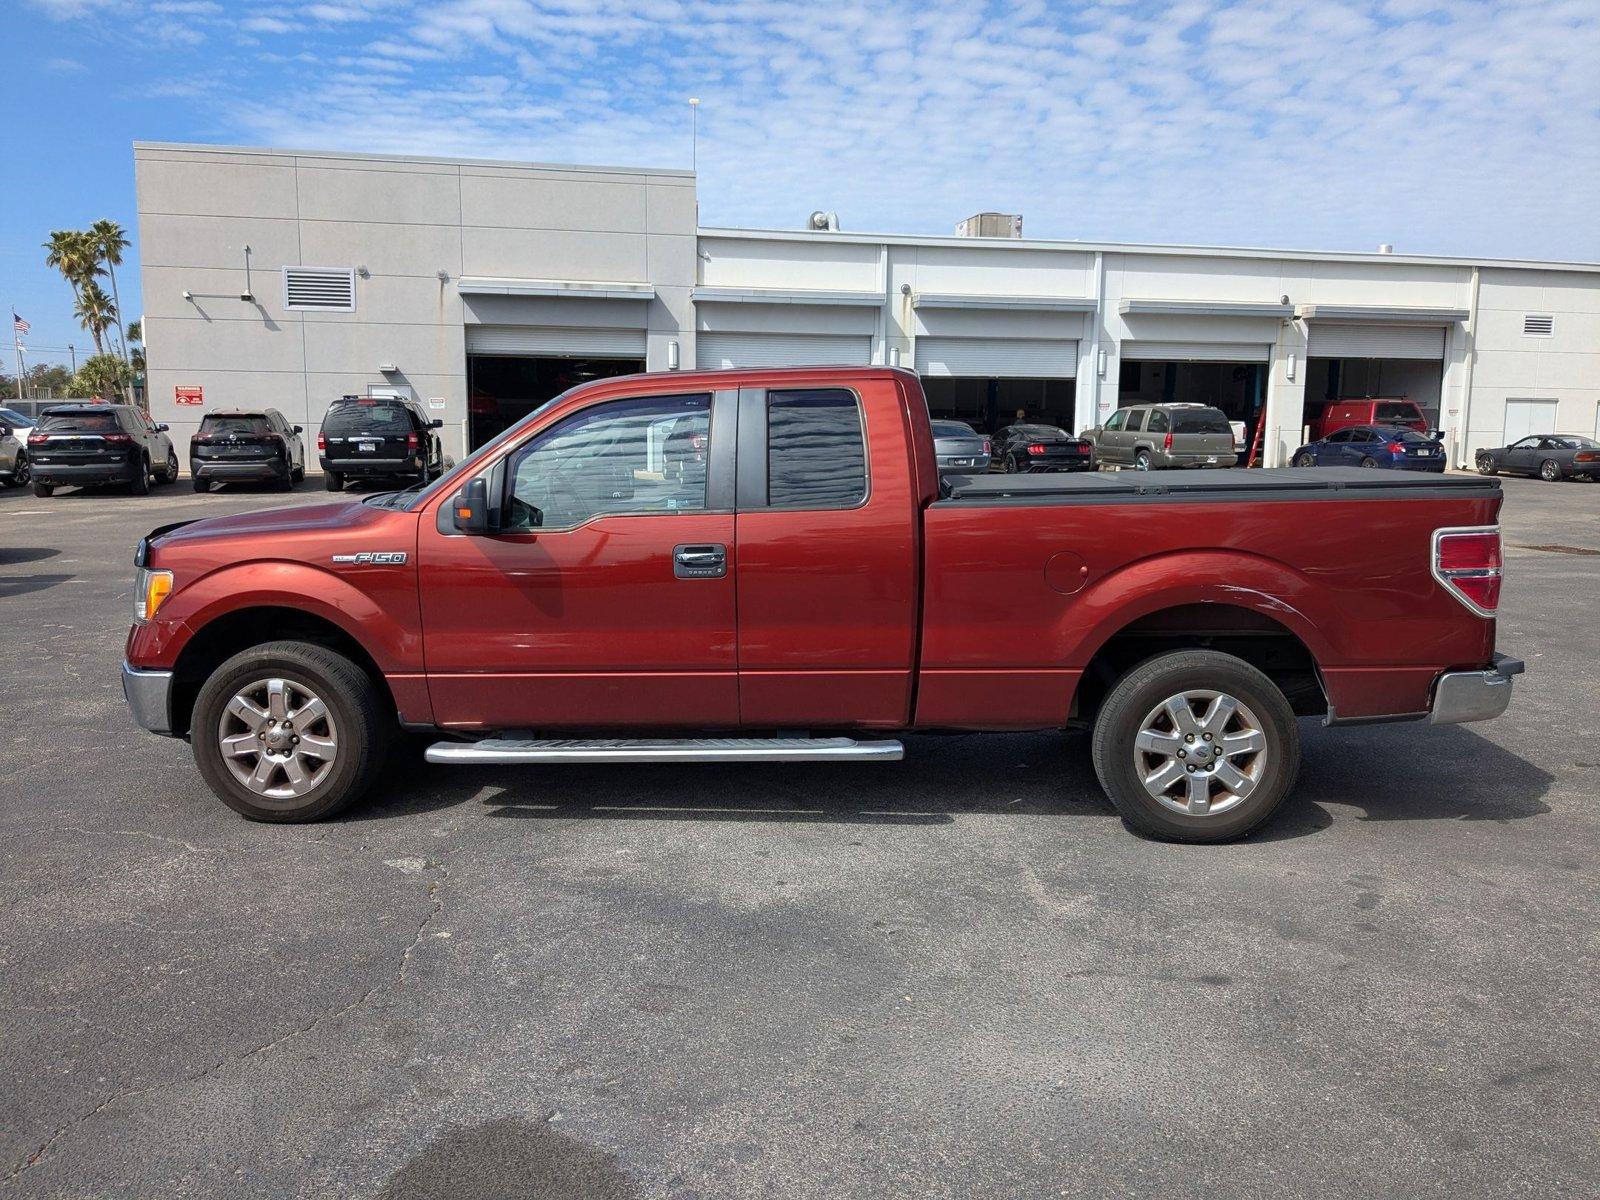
x,y
289,731
332,480
1196,746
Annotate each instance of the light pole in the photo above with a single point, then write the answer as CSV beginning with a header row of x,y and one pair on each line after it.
x,y
694,133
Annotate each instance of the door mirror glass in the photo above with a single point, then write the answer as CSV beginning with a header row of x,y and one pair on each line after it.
x,y
436,423
162,428
297,429
1436,435
469,508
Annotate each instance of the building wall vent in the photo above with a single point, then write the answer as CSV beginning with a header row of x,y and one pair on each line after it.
x,y
991,225
319,289
1538,325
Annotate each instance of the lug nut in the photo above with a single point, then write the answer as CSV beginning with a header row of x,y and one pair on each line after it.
x,y
1183,754
1207,736
1188,737
1191,768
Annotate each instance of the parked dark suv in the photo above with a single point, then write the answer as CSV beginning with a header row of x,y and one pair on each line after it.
x,y
99,443
246,445
366,437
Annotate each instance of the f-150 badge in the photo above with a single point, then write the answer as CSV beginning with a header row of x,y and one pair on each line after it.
x,y
377,558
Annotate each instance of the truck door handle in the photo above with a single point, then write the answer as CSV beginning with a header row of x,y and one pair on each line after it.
x,y
700,562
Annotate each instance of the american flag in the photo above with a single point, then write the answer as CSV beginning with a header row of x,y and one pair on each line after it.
x,y
18,324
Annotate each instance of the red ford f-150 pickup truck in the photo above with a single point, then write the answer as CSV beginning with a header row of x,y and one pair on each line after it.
x,y
767,566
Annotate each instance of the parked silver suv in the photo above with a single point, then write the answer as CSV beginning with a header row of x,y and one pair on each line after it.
x,y
1150,437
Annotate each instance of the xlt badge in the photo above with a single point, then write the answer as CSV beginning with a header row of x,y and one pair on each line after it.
x,y
379,558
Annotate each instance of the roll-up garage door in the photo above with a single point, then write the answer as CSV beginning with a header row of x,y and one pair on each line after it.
x,y
997,358
1141,351
715,350
1340,340
537,340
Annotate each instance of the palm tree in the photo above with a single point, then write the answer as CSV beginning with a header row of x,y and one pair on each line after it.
x,y
96,311
73,253
110,240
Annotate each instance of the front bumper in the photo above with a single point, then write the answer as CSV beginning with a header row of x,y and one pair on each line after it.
x,y
1462,696
149,697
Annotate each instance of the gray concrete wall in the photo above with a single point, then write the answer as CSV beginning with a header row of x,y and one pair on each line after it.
x,y
412,228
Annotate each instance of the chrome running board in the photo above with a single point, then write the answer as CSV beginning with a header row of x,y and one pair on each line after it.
x,y
658,750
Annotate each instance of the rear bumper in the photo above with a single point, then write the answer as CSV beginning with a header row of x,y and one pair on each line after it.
x,y
1426,464
1224,459
353,467
959,464
122,472
149,697
272,468
1462,696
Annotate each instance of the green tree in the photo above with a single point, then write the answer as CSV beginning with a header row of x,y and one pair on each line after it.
x,y
96,312
105,375
75,255
110,240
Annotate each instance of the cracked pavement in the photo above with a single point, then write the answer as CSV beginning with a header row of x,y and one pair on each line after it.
x,y
955,976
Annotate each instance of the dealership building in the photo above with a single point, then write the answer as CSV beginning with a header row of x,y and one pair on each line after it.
x,y
288,279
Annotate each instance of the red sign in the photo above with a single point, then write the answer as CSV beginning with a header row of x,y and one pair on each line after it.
x,y
188,395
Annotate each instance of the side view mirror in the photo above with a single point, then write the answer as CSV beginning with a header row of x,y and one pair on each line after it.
x,y
162,428
5,431
1436,435
436,423
469,508
297,429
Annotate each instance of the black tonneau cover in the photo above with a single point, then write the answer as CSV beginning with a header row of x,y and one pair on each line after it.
x,y
1277,483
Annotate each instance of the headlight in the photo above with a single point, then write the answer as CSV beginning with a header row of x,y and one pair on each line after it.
x,y
152,588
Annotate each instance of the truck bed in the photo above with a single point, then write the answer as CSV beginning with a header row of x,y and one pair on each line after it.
x,y
1278,483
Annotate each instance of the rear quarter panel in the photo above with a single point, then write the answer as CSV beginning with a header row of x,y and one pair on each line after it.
x,y
1004,647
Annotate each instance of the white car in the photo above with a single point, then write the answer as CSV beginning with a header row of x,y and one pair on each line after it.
x,y
14,469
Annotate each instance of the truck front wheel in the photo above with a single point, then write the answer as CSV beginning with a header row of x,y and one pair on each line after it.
x,y
1196,746
289,731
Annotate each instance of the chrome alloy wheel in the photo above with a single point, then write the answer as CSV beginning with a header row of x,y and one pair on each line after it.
x,y
278,738
1200,753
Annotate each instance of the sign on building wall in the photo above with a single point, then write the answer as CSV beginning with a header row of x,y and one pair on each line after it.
x,y
188,395
435,401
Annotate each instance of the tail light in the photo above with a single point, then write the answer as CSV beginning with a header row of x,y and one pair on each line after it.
x,y
1035,448
322,441
1585,456
1468,563
988,449
411,441
37,439
1397,447
118,438
1166,442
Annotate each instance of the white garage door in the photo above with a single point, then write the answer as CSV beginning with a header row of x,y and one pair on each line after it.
x,y
1339,340
1529,416
532,340
996,358
1137,351
718,350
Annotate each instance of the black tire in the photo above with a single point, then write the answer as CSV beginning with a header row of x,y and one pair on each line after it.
x,y
1144,688
360,719
202,485
1369,461
139,485
1142,461
297,475
43,490
1485,464
332,480
21,472
170,474
286,484
1304,460
1010,464
1550,471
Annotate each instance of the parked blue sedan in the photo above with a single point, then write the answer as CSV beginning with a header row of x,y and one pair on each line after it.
x,y
1373,446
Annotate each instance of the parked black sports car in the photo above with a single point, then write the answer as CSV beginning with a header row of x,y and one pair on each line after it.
x,y
1550,456
1029,447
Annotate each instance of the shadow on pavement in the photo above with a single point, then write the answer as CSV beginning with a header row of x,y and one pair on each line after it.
x,y
1394,773
20,554
21,585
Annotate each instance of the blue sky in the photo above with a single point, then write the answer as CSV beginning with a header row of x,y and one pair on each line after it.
x,y
1440,126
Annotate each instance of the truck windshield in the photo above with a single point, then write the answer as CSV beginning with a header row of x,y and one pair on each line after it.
x,y
1205,421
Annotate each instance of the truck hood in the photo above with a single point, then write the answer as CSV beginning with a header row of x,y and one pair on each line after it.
x,y
313,518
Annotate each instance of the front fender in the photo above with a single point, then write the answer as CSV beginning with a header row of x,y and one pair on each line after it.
x,y
1225,577
375,605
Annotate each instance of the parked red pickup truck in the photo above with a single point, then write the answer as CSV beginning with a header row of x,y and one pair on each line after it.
x,y
766,566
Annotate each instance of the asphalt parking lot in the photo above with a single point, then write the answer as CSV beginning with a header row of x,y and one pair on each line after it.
x,y
955,976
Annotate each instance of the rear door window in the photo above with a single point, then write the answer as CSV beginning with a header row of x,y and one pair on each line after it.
x,y
384,420
1116,420
1204,420
816,449
85,422
1157,422
1136,421
234,426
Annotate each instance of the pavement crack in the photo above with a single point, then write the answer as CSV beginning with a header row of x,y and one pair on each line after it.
x,y
389,983
140,833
